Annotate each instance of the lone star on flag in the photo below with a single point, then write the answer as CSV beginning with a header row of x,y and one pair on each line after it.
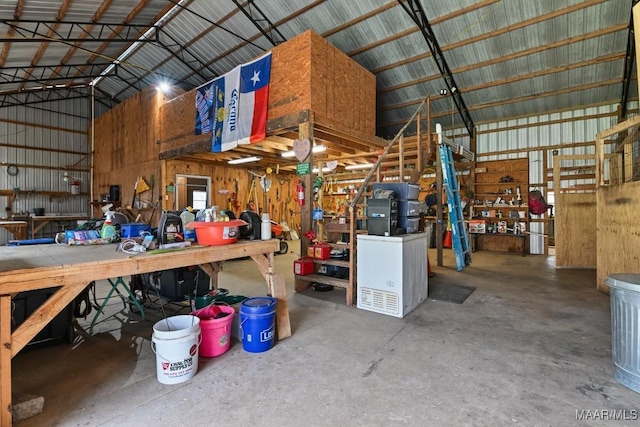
x,y
256,77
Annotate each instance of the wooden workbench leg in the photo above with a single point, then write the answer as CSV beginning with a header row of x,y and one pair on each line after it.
x,y
212,269
278,290
5,360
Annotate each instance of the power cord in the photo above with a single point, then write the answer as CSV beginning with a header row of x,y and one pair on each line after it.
x,y
130,246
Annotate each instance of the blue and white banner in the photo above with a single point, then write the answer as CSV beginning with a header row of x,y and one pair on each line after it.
x,y
226,98
204,112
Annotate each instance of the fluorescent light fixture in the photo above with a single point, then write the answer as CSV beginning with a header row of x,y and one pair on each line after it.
x,y
244,160
325,169
359,166
315,149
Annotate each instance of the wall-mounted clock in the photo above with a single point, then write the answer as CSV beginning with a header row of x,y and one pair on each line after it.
x,y
12,170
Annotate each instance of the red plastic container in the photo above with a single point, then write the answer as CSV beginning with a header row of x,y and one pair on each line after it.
x,y
303,266
217,233
322,250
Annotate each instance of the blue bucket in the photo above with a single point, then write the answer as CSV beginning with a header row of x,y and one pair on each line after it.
x,y
258,323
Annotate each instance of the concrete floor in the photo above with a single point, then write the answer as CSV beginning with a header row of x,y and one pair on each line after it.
x,y
531,346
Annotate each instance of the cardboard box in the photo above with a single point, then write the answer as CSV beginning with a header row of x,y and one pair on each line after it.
x,y
477,226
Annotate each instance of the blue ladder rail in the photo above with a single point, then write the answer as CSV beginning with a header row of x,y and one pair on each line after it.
x,y
459,234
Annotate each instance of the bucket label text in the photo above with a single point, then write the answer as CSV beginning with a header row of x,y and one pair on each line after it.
x,y
179,365
267,334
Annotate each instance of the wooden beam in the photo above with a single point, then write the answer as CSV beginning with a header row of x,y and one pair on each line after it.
x,y
38,125
5,360
324,125
306,130
43,315
212,269
287,122
401,159
202,145
52,150
47,167
439,207
633,121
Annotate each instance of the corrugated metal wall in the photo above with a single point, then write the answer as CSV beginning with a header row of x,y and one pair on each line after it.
x,y
30,134
527,134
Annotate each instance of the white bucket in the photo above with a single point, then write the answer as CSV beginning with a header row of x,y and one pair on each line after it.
x,y
175,342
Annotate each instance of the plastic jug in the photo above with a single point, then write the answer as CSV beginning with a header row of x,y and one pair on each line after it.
x,y
265,227
189,233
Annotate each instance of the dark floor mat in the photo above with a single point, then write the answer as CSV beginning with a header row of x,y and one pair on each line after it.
x,y
449,293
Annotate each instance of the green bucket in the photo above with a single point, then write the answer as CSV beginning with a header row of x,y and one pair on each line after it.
x,y
230,299
202,301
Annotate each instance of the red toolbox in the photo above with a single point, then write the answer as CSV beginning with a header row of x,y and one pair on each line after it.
x,y
303,266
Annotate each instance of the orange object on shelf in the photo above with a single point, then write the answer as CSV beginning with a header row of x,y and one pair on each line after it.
x,y
217,232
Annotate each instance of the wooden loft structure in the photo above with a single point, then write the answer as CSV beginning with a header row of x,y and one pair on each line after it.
x,y
312,85
316,92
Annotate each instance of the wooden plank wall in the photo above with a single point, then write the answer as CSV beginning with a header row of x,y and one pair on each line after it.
x,y
125,146
575,230
343,91
618,231
307,73
280,198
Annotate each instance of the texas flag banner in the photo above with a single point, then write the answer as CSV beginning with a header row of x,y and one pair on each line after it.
x,y
240,100
254,98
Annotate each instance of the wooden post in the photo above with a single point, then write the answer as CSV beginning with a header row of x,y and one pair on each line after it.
x,y
419,161
439,207
5,360
545,183
401,157
353,235
321,233
305,130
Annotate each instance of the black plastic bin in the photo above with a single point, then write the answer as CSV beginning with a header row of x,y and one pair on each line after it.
x,y
58,331
178,283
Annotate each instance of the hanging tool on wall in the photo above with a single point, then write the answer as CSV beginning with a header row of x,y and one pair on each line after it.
x,y
135,193
317,184
235,205
152,183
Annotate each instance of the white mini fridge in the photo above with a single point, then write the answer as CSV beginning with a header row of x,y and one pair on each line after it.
x,y
392,274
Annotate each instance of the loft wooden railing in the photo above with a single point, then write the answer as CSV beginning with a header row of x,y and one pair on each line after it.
x,y
375,170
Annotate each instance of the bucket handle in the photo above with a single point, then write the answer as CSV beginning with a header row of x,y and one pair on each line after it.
x,y
153,348
261,315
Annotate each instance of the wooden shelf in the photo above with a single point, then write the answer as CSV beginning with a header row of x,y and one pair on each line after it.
x,y
503,218
115,204
521,207
340,245
336,262
327,280
497,194
487,187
